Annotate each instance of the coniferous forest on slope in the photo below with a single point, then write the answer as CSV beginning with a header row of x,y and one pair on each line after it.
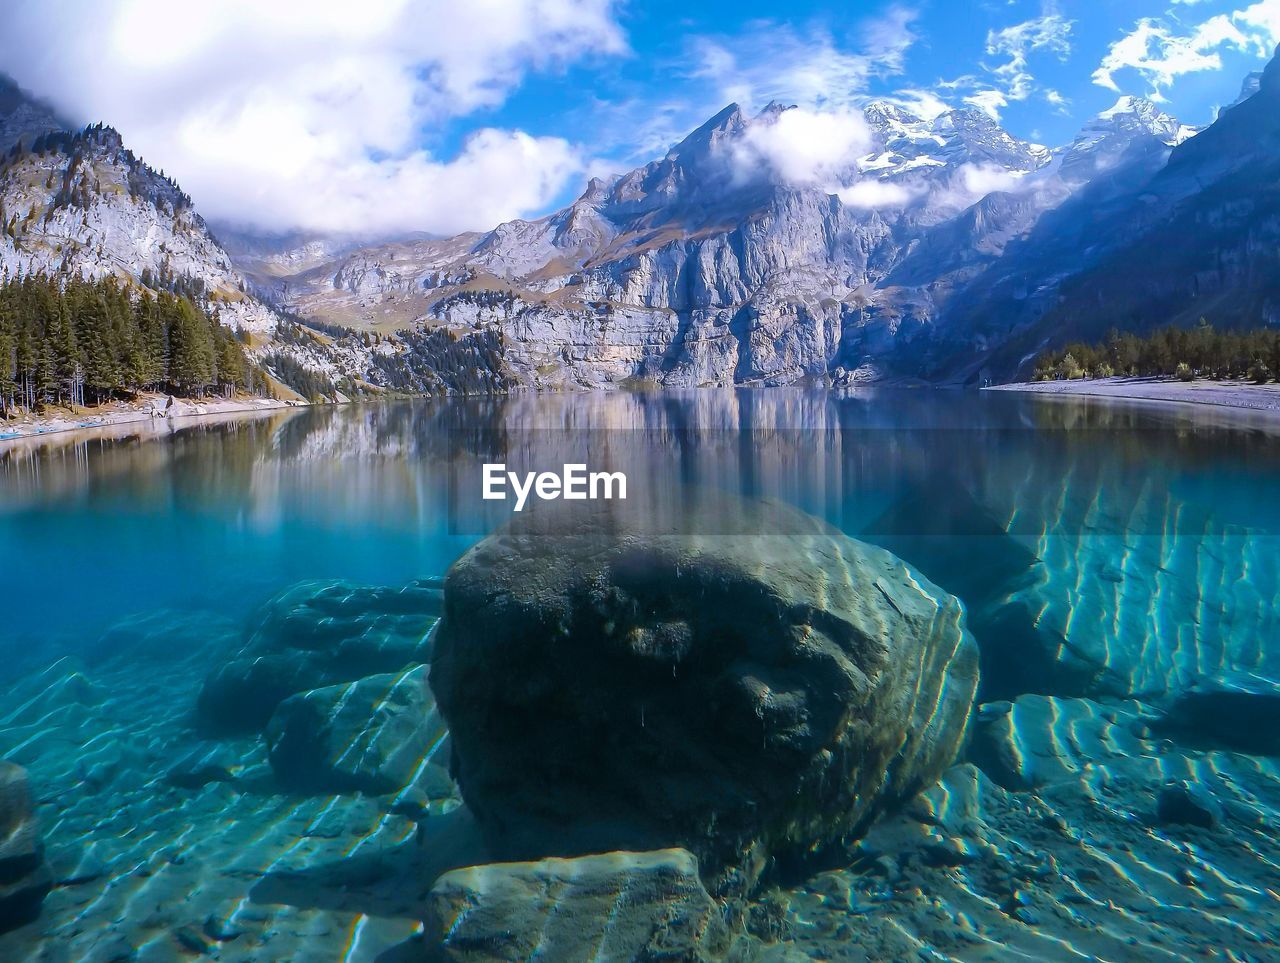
x,y
1202,351
75,341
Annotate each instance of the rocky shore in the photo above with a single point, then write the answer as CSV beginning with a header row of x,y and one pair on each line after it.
x,y
1227,394
150,413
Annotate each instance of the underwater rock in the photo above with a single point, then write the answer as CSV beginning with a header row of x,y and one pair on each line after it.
x,y
1188,803
165,635
744,697
958,544
1238,710
24,876
1038,741
241,695
615,906
59,689
317,634
1072,594
376,735
943,531
357,626
1132,615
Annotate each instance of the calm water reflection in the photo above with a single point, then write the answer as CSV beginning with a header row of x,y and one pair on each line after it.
x,y
223,516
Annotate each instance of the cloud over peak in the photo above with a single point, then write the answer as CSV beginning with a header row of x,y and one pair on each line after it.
x,y
313,114
802,146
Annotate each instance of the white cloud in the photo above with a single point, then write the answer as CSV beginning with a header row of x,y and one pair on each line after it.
x,y
980,180
1007,76
889,37
990,102
804,147
311,114
1161,52
818,141
922,103
1262,24
873,194
776,62
1050,34
972,182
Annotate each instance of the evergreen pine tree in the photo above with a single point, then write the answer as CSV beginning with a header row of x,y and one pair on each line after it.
x,y
191,349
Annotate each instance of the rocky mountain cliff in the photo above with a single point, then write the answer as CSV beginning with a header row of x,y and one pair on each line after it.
x,y
81,203
948,250
707,267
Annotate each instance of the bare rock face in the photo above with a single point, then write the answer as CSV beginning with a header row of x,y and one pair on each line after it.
x,y
618,906
750,698
376,735
24,876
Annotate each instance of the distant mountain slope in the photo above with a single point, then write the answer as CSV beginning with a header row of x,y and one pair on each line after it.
x,y
1155,243
706,267
81,204
22,119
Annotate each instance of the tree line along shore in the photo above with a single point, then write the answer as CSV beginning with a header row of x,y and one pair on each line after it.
x,y
1183,353
84,342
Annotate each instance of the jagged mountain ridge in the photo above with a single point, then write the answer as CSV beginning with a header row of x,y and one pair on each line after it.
x,y
698,269
80,203
1158,242
943,250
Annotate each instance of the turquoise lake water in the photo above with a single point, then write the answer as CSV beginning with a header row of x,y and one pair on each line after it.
x,y
224,516
1115,563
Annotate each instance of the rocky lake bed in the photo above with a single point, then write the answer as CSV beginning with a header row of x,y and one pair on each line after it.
x,y
652,747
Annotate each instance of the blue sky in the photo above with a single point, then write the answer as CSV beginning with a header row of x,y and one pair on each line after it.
x,y
625,107
443,116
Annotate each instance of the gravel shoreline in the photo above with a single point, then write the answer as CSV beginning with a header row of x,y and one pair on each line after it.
x,y
1242,395
151,413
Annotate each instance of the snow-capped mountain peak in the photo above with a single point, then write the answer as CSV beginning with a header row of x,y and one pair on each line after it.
x,y
1136,115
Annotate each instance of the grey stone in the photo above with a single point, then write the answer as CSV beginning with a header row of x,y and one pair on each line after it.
x,y
25,878
317,634
746,697
376,735
615,906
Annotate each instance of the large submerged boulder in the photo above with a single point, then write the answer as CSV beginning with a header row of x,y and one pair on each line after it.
x,y
944,532
315,634
24,875
747,697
